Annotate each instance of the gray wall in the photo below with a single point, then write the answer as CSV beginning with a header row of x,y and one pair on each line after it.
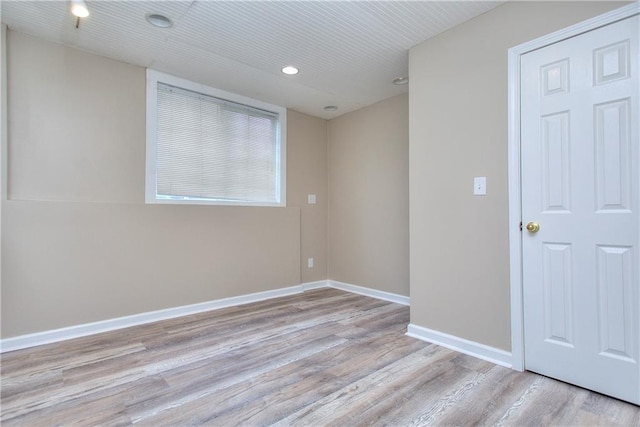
x,y
458,130
369,197
78,242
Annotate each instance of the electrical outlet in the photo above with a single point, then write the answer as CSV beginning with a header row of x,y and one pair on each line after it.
x,y
480,185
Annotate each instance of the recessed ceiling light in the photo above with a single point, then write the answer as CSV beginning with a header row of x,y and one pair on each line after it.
x,y
158,20
290,70
400,81
330,108
79,8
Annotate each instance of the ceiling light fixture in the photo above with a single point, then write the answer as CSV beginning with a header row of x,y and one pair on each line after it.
x,y
158,20
79,8
330,108
400,81
290,70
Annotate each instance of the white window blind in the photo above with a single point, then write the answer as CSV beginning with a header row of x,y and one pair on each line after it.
x,y
211,149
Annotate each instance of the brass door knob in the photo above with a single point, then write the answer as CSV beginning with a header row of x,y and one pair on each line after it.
x,y
533,227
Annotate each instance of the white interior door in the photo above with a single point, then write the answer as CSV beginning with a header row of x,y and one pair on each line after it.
x,y
580,184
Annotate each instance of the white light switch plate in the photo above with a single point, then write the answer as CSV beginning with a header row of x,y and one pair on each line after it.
x,y
480,185
311,198
310,262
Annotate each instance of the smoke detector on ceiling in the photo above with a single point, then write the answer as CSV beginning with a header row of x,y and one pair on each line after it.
x,y
158,20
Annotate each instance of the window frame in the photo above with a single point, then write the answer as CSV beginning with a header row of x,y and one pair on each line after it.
x,y
153,78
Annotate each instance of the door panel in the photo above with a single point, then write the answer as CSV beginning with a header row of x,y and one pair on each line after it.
x,y
557,288
580,159
615,304
555,162
613,156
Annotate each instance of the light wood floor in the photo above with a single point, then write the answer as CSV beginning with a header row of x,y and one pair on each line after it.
x,y
318,358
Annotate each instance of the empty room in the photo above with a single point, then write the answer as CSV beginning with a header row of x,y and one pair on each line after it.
x,y
319,213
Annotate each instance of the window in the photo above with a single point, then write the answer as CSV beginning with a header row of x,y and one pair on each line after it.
x,y
206,146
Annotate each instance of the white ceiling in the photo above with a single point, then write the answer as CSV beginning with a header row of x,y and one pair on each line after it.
x,y
348,52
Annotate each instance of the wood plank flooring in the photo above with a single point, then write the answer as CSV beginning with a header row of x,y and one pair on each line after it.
x,y
325,357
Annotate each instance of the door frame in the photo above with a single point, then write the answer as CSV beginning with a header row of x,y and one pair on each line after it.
x,y
514,159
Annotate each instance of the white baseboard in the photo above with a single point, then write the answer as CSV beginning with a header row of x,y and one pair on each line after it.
x,y
355,289
46,337
491,354
314,285
461,345
62,334
373,293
